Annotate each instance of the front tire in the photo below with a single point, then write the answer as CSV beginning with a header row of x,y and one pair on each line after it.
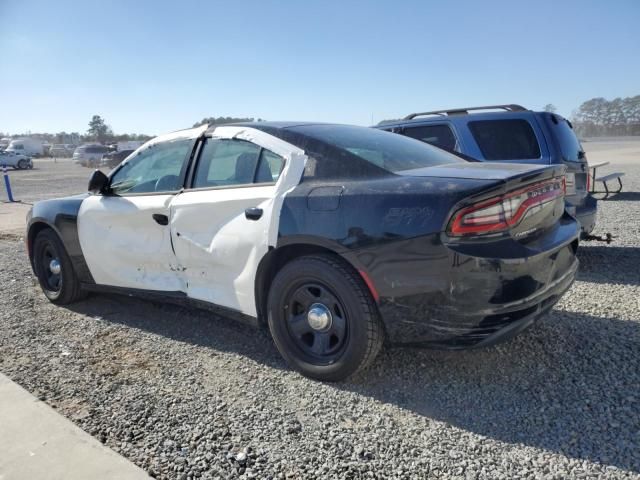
x,y
323,319
54,269
23,164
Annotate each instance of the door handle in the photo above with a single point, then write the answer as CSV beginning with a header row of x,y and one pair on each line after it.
x,y
160,219
253,213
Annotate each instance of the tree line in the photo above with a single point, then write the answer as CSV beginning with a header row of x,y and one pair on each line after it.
x,y
99,131
595,117
601,117
225,120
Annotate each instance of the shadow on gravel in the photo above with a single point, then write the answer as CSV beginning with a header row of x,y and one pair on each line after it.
x,y
565,385
568,385
622,197
609,264
183,324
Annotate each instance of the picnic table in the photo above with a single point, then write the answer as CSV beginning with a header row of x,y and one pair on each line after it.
x,y
604,179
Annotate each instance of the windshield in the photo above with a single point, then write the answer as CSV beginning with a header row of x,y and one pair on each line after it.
x,y
392,152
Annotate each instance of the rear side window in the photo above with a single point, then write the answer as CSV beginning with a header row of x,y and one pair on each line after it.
x,y
235,162
384,150
505,139
269,167
438,135
569,143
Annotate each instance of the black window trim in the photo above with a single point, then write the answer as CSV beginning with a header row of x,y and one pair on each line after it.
x,y
188,185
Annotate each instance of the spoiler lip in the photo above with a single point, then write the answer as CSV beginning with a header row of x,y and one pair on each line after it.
x,y
488,171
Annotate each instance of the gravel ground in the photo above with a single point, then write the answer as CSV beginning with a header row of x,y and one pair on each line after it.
x,y
185,394
48,179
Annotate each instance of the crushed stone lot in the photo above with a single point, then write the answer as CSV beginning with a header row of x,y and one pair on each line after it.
x,y
187,394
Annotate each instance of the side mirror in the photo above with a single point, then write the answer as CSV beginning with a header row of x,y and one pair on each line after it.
x,y
98,183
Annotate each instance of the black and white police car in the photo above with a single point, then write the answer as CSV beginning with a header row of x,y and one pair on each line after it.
x,y
339,238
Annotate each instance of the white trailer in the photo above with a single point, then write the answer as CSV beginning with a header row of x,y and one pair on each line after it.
x,y
31,147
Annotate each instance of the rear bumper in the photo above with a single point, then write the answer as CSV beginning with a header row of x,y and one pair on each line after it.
x,y
509,322
455,297
586,214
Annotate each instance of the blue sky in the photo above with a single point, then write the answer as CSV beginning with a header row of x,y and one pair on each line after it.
x,y
156,66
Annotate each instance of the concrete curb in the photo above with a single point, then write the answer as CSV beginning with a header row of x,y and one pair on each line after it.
x,y
37,442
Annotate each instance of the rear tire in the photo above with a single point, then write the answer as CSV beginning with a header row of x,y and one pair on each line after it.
x,y
54,269
323,319
23,164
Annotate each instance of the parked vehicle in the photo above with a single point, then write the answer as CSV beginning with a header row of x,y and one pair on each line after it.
x,y
339,238
30,147
60,150
128,145
113,159
90,155
513,134
15,160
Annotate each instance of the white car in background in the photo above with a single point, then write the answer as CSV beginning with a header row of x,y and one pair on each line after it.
x,y
60,150
15,160
90,155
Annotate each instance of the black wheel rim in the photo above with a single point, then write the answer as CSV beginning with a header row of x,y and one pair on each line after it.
x,y
51,269
316,322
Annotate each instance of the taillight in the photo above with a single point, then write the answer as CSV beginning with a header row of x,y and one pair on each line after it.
x,y
501,213
588,182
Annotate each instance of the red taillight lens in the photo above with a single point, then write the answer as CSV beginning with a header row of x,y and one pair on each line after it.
x,y
503,212
588,182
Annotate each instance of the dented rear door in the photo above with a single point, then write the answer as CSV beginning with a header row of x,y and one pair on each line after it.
x,y
224,224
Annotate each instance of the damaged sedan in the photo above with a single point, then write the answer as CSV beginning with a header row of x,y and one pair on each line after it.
x,y
337,238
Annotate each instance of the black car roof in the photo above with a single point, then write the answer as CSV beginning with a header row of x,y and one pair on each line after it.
x,y
273,124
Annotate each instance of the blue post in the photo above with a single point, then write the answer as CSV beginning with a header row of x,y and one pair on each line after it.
x,y
6,183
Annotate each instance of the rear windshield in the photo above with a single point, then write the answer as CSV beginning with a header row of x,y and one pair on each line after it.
x,y
392,152
505,139
569,143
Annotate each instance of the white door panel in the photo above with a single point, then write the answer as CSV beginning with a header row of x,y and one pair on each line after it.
x,y
218,247
124,246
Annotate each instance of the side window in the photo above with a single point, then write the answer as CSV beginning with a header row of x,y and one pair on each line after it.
x,y
505,139
154,169
438,135
235,162
269,167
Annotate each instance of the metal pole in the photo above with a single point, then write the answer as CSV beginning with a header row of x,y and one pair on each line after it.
x,y
6,183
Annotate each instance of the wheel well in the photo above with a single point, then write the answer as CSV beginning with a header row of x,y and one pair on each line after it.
x,y
273,262
34,230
